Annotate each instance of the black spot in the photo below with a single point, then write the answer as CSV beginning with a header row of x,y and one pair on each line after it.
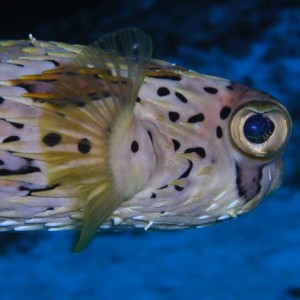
x,y
71,73
196,118
219,132
163,187
6,172
84,146
22,171
224,113
52,139
230,87
1,162
163,91
79,103
260,175
28,87
30,169
210,90
150,136
108,72
174,116
48,80
48,188
176,144
119,81
94,96
56,63
31,191
19,65
1,100
198,150
153,196
134,146
178,188
12,138
17,125
138,99
241,190
181,97
28,159
49,208
23,188
106,94
175,77
187,172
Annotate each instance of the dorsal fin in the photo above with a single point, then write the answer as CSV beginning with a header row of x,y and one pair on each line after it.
x,y
115,66
100,86
124,57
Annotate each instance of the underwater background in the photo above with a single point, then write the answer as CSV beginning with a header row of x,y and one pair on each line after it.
x,y
256,256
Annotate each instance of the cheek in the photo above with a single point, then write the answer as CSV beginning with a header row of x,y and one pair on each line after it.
x,y
141,156
132,159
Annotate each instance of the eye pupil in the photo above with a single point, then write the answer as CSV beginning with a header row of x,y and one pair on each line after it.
x,y
258,128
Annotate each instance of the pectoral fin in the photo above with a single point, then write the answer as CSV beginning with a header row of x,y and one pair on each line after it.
x,y
89,96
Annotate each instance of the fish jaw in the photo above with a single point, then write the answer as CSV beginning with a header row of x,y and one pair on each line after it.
x,y
271,180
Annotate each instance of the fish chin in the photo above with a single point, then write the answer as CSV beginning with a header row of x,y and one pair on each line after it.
x,y
275,172
270,180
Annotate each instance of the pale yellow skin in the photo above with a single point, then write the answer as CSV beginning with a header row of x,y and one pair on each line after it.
x,y
211,191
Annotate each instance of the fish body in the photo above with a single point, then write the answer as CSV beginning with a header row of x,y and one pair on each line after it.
x,y
104,137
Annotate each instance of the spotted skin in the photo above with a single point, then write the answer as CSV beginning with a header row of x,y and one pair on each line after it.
x,y
180,149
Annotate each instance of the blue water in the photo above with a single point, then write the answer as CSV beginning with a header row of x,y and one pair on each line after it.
x,y
256,256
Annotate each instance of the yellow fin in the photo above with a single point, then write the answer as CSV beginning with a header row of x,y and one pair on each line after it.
x,y
101,201
88,98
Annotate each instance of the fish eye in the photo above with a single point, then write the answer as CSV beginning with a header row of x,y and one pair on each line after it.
x,y
260,128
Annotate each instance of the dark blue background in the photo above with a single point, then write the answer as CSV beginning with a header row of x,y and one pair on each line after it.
x,y
254,257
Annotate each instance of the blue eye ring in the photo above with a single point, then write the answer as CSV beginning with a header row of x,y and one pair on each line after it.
x,y
258,128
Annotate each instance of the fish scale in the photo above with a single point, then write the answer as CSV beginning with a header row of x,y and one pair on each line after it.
x,y
103,138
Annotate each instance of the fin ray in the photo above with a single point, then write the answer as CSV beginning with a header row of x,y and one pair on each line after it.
x,y
121,60
80,106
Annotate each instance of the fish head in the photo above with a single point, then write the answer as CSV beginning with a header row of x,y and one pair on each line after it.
x,y
259,129
217,148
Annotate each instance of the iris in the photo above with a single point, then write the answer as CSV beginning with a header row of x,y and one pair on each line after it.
x,y
258,128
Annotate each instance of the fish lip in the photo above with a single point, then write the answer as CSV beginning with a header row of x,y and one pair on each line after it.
x,y
272,177
276,180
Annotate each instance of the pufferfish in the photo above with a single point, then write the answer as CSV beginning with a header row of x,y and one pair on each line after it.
x,y
105,138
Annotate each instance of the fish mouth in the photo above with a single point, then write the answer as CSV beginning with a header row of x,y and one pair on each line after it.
x,y
255,183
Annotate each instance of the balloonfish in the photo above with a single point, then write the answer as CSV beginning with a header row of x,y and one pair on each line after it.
x,y
103,137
